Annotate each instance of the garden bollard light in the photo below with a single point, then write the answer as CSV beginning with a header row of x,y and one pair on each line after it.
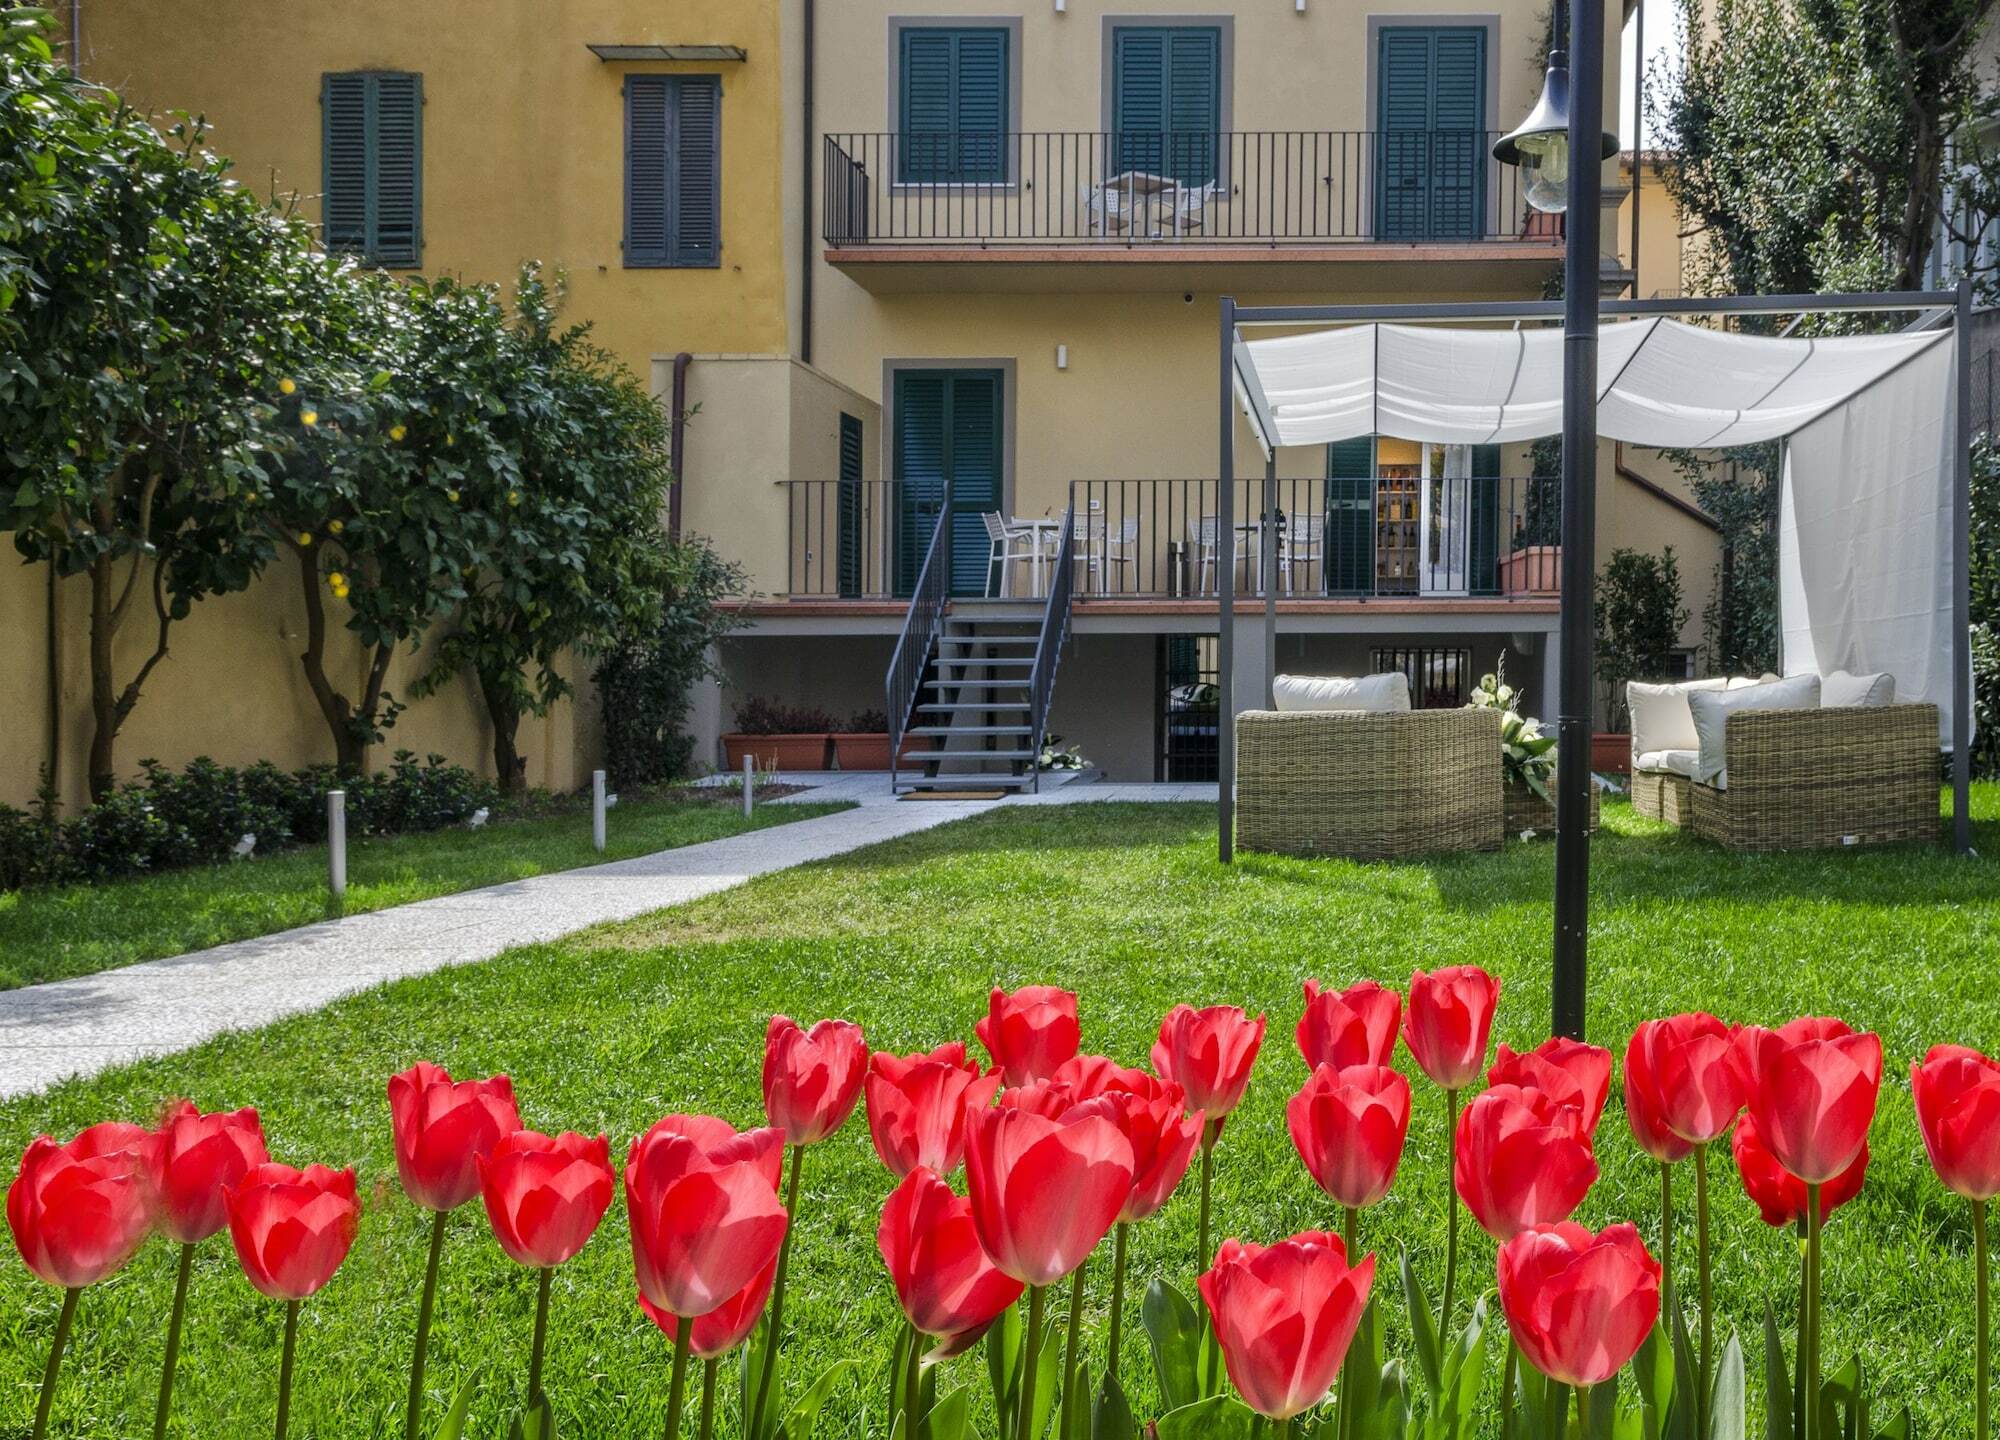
x,y
749,786
597,809
336,844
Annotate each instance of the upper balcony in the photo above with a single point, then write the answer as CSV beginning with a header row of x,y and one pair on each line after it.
x,y
1107,210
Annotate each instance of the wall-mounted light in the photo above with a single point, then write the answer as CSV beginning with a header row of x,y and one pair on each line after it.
x,y
1062,357
1061,6
1299,5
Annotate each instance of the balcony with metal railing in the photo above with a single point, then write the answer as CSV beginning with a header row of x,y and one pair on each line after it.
x,y
1118,196
1391,537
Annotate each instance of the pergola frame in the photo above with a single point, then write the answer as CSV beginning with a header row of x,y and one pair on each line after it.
x,y
1931,307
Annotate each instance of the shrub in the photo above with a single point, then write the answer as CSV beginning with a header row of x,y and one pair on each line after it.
x,y
1639,618
867,722
758,716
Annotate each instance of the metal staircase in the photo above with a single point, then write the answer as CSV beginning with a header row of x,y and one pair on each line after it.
x,y
975,716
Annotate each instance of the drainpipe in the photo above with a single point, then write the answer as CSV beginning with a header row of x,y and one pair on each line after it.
x,y
677,443
54,656
76,38
806,182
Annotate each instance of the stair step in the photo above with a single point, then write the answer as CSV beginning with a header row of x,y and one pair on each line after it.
x,y
1015,641
931,757
969,782
941,708
1016,684
949,730
975,661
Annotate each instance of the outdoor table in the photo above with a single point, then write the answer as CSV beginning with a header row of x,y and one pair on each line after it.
x,y
1045,536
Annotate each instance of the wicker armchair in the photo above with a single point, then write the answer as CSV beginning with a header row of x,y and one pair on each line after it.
x,y
1369,786
1818,779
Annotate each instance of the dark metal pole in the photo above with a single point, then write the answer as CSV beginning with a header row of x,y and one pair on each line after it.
x,y
808,45
1579,519
1961,580
1638,130
1225,589
1267,541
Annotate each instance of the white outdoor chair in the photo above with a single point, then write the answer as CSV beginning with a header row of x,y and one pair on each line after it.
x,y
1201,536
1188,206
1108,208
1008,547
1301,542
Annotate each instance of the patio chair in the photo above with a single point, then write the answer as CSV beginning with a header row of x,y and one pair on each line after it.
x,y
1187,206
1205,553
1301,542
1008,545
1381,786
1107,208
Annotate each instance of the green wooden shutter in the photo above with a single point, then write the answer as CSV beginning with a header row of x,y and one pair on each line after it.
x,y
850,507
918,468
1166,106
1403,179
1485,520
948,422
1431,149
1458,131
1350,516
673,170
372,159
975,474
952,113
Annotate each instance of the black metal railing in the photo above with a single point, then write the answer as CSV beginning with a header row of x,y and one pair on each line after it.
x,y
1268,187
852,539
921,628
1376,536
1049,641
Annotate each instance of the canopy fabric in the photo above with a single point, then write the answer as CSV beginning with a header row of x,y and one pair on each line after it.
x,y
1865,539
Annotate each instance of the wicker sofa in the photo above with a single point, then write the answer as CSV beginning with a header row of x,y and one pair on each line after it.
x,y
1369,786
1818,779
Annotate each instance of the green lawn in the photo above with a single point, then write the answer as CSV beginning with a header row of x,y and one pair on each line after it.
x,y
82,929
1127,905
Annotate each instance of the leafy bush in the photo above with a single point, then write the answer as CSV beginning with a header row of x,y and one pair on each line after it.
x,y
1639,618
758,716
866,722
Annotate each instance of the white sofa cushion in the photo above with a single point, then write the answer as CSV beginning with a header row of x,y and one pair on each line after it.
x,y
1673,762
1367,694
1712,711
1841,688
1660,718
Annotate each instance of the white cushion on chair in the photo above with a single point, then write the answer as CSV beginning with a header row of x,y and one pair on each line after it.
x,y
1668,762
1660,718
1841,688
1369,694
1712,711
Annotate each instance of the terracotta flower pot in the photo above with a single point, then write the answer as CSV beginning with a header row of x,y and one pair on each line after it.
x,y
1535,570
776,752
1611,752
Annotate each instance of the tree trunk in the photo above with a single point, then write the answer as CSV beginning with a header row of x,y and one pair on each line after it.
x,y
109,704
509,764
349,751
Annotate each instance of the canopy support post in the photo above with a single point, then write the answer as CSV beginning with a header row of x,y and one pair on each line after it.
x,y
1961,579
1225,590
1267,567
1579,518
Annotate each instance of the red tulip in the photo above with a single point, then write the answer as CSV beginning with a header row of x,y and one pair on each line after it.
x,y
1349,1126
442,1127
1355,1027
703,1205
1447,1022
919,1107
1164,1137
1644,1109
1285,1315
190,1161
1781,1196
545,1196
727,1325
945,1282
1523,1160
1208,1053
1089,1076
1044,1189
1568,1071
1579,1305
292,1228
1030,1032
78,1211
1958,1109
1697,1072
812,1077
1813,1090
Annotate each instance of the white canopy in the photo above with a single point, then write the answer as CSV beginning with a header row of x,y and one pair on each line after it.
x,y
1865,526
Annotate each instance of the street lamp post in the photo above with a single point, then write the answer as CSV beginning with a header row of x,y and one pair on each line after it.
x,y
1568,121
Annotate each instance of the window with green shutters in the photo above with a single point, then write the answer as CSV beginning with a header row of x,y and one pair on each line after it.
x,y
673,171
1431,147
1166,104
852,467
372,153
948,423
1350,516
952,110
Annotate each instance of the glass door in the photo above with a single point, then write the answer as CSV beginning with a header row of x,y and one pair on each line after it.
x,y
1445,497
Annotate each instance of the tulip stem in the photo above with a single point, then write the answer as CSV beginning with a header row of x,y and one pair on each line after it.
x,y
708,1398
166,1404
1805,1309
1451,1213
1343,1410
913,1384
1031,1363
541,1337
1667,1237
1810,1362
754,1426
1704,1401
1118,1294
1507,1388
54,1367
1982,1288
1203,1256
1211,1383
413,1424
677,1390
1070,1346
285,1367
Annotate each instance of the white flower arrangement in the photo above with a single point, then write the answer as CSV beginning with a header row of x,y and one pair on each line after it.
x,y
1055,757
1528,756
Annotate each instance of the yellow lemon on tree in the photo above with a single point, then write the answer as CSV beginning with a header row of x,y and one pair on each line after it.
x,y
305,537
335,526
286,387
309,417
337,580
513,497
397,432
451,495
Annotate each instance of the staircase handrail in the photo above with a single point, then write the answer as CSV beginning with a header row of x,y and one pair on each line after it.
x,y
922,625
1054,634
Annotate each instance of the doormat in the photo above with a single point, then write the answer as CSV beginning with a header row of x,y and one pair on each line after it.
x,y
955,795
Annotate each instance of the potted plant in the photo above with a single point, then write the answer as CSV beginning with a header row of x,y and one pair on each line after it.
x,y
1055,756
1527,758
779,737
863,742
1533,566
